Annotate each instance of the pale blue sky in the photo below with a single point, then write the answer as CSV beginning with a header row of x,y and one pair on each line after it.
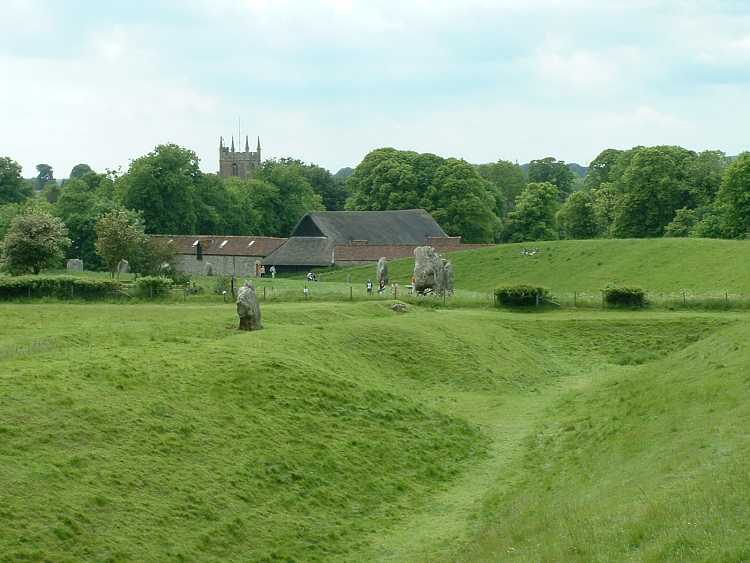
x,y
328,80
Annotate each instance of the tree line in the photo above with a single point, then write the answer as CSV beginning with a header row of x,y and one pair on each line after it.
x,y
641,192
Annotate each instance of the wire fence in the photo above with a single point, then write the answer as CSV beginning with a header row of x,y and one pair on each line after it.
x,y
280,291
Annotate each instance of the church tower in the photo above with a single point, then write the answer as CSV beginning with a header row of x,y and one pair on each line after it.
x,y
241,164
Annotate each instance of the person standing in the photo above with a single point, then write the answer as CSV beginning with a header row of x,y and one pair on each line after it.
x,y
369,287
272,269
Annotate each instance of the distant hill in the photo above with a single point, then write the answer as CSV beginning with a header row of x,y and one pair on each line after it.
x,y
344,173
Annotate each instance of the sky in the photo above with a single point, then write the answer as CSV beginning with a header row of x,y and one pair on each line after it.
x,y
327,81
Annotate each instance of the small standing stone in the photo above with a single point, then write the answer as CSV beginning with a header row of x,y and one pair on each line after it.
x,y
208,269
74,265
398,308
448,276
382,270
248,308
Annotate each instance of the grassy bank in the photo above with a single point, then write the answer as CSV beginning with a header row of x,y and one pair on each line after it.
x,y
660,265
348,432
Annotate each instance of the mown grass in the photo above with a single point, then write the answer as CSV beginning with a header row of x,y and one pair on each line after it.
x,y
700,266
349,432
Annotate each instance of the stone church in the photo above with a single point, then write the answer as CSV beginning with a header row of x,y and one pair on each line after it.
x,y
238,163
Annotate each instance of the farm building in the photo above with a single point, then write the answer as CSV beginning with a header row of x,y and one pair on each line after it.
x,y
346,238
222,255
320,239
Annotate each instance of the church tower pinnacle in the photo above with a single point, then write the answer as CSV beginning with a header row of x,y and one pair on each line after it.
x,y
239,163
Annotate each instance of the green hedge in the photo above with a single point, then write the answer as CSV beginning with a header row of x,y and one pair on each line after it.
x,y
61,287
521,296
152,286
624,296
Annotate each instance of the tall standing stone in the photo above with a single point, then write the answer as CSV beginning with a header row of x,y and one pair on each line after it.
x,y
382,270
428,270
74,265
123,267
248,308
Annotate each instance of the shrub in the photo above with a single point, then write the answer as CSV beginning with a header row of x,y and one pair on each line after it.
x,y
179,278
222,284
624,296
61,287
521,296
152,286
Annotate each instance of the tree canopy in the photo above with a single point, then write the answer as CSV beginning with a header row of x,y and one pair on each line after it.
x,y
34,241
13,188
461,201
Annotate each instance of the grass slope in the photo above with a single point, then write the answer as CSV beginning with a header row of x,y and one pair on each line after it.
x,y
660,265
651,465
347,432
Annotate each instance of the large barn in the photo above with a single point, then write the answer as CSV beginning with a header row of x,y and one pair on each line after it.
x,y
344,238
320,239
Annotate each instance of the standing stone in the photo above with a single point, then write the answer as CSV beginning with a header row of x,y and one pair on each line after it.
x,y
248,308
428,270
208,269
123,267
74,265
448,276
382,270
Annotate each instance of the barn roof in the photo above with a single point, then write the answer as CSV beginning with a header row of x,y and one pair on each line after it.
x,y
303,251
407,226
222,245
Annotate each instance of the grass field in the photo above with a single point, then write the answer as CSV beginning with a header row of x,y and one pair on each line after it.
x,y
665,265
344,431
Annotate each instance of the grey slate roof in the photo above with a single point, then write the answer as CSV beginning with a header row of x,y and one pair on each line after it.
x,y
313,240
302,251
408,226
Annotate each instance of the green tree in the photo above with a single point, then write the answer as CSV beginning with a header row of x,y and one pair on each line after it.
x,y
332,191
683,223
462,202
34,242
652,189
734,198
603,169
508,181
79,170
51,191
605,199
83,201
534,215
386,179
295,196
13,188
119,236
8,212
577,217
44,175
162,185
555,172
705,173
151,255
